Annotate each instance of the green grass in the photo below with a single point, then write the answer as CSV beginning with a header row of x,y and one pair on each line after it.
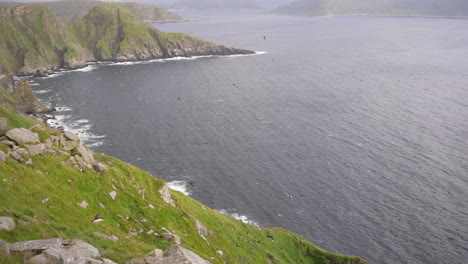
x,y
23,187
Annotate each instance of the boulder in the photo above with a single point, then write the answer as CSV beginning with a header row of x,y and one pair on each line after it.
x,y
106,237
7,223
3,125
36,150
22,136
74,251
86,153
99,167
34,247
4,249
2,156
69,141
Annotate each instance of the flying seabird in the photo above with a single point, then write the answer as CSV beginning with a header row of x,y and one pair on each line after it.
x,y
97,218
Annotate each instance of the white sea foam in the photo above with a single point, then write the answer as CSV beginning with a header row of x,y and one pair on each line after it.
x,y
42,91
181,186
34,84
233,213
80,127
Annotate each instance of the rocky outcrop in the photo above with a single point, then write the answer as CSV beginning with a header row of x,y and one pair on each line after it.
x,y
23,143
22,136
57,251
166,195
20,97
3,125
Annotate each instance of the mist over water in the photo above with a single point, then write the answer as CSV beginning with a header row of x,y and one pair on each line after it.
x,y
352,131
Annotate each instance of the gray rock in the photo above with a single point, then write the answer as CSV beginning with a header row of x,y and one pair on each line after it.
x,y
4,249
99,167
9,143
22,152
113,195
157,253
86,153
38,259
171,237
173,255
220,253
7,223
22,136
166,195
74,252
107,261
38,127
36,150
2,156
69,141
16,157
35,245
3,125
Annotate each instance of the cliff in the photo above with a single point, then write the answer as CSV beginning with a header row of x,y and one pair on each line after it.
x,y
19,96
71,11
128,39
457,8
54,187
33,41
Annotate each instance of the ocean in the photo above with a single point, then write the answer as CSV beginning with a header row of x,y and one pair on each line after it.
x,y
351,131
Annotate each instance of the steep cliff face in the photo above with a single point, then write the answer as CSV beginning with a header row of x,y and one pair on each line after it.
x,y
71,11
32,39
113,33
19,96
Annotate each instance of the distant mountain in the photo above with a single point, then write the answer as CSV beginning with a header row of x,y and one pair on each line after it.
x,y
215,4
71,11
374,7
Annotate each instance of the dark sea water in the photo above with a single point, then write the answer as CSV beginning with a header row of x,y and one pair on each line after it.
x,y
352,131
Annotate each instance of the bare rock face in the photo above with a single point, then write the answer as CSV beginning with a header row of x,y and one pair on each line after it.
x,y
86,153
69,141
25,100
23,136
166,195
76,251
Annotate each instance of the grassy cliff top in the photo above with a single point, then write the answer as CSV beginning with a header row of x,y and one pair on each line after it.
x,y
43,199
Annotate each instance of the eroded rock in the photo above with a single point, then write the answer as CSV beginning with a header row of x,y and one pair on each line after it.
x,y
36,150
36,246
